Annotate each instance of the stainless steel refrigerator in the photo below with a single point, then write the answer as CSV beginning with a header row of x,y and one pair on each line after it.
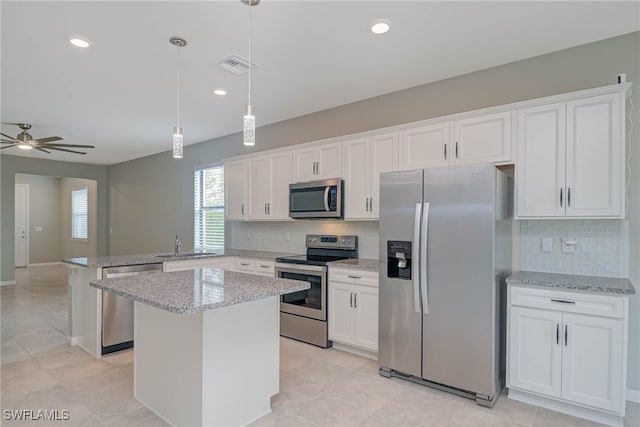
x,y
445,252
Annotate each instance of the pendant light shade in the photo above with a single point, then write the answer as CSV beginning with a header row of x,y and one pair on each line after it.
x,y
178,139
249,123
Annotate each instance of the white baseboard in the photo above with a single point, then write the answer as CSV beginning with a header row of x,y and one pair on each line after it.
x,y
357,351
43,264
633,395
8,282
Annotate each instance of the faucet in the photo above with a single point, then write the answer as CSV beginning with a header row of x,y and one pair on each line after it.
x,y
178,244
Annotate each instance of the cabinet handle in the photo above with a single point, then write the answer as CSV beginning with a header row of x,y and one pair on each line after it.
x,y
561,197
269,208
565,335
563,301
244,264
354,277
355,300
265,208
456,149
366,204
243,209
445,151
370,204
557,333
351,300
264,266
569,197
318,168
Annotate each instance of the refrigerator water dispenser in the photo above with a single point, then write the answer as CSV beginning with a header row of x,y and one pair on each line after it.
x,y
399,259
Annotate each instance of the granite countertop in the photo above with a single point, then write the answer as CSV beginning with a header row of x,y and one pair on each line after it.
x,y
570,282
202,289
122,260
357,264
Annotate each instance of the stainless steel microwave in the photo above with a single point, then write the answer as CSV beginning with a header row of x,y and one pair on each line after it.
x,y
316,199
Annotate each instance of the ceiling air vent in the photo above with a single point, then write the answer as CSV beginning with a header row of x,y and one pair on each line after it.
x,y
235,64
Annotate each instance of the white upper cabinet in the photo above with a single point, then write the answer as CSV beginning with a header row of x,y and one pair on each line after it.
x,y
269,179
425,147
482,139
595,157
317,162
571,159
235,190
540,169
474,140
365,159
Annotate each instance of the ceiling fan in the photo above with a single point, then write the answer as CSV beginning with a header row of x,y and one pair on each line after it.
x,y
26,142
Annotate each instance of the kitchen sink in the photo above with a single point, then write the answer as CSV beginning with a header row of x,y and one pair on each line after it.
x,y
188,255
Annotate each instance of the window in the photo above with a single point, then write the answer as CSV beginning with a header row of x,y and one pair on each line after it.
x,y
208,195
80,214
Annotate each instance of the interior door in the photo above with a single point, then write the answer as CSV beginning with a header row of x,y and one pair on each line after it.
x,y
21,225
458,323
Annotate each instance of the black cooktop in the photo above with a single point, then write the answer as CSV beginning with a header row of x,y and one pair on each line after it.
x,y
311,259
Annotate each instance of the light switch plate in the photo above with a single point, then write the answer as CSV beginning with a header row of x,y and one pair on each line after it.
x,y
38,228
568,245
546,244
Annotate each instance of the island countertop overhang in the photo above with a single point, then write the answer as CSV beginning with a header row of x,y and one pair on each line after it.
x,y
201,289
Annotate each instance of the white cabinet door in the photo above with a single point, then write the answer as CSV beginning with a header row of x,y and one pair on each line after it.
x,y
341,312
540,171
235,190
329,157
366,317
425,147
278,208
357,179
259,187
482,139
595,157
304,165
535,350
592,361
384,158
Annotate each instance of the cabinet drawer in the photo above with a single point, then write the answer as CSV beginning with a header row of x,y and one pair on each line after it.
x,y
358,277
245,264
222,263
265,267
569,302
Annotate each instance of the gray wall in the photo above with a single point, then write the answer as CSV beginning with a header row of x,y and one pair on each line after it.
x,y
151,197
44,211
12,165
72,248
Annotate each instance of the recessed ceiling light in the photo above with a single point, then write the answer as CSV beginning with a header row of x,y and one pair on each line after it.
x,y
220,92
380,26
79,42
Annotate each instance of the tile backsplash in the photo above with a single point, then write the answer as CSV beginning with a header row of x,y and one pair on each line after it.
x,y
601,247
272,236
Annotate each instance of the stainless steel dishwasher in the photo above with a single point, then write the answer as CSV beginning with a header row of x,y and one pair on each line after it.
x,y
117,312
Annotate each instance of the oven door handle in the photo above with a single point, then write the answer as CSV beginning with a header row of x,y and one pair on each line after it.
x,y
326,198
299,268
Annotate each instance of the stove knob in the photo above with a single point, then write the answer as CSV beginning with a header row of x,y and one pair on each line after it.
x,y
313,240
344,240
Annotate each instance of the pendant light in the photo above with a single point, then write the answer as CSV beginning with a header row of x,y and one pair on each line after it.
x,y
249,123
178,142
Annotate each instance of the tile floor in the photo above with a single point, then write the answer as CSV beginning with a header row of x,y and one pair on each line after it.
x,y
317,387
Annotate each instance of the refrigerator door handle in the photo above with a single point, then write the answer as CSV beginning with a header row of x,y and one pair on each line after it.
x,y
415,254
423,258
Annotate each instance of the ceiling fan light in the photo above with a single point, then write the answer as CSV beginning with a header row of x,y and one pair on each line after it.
x,y
25,146
178,142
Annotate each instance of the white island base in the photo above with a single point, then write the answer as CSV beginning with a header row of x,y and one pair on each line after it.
x,y
212,368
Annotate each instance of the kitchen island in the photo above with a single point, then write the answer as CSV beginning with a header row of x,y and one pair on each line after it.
x,y
207,343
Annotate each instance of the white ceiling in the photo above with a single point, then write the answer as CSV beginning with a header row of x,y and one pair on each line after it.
x,y
312,55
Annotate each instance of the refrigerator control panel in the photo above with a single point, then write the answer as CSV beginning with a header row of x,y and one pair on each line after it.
x,y
399,259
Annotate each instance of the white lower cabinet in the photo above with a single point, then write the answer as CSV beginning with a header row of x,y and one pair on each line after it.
x,y
353,308
567,351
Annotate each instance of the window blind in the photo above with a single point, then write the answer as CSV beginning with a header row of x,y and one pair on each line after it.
x,y
208,195
80,214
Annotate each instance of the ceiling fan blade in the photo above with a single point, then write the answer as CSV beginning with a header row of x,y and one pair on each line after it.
x,y
67,145
48,139
7,136
63,149
43,150
4,141
7,146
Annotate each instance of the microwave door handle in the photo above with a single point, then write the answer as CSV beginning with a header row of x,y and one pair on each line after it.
x,y
415,255
326,198
423,258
